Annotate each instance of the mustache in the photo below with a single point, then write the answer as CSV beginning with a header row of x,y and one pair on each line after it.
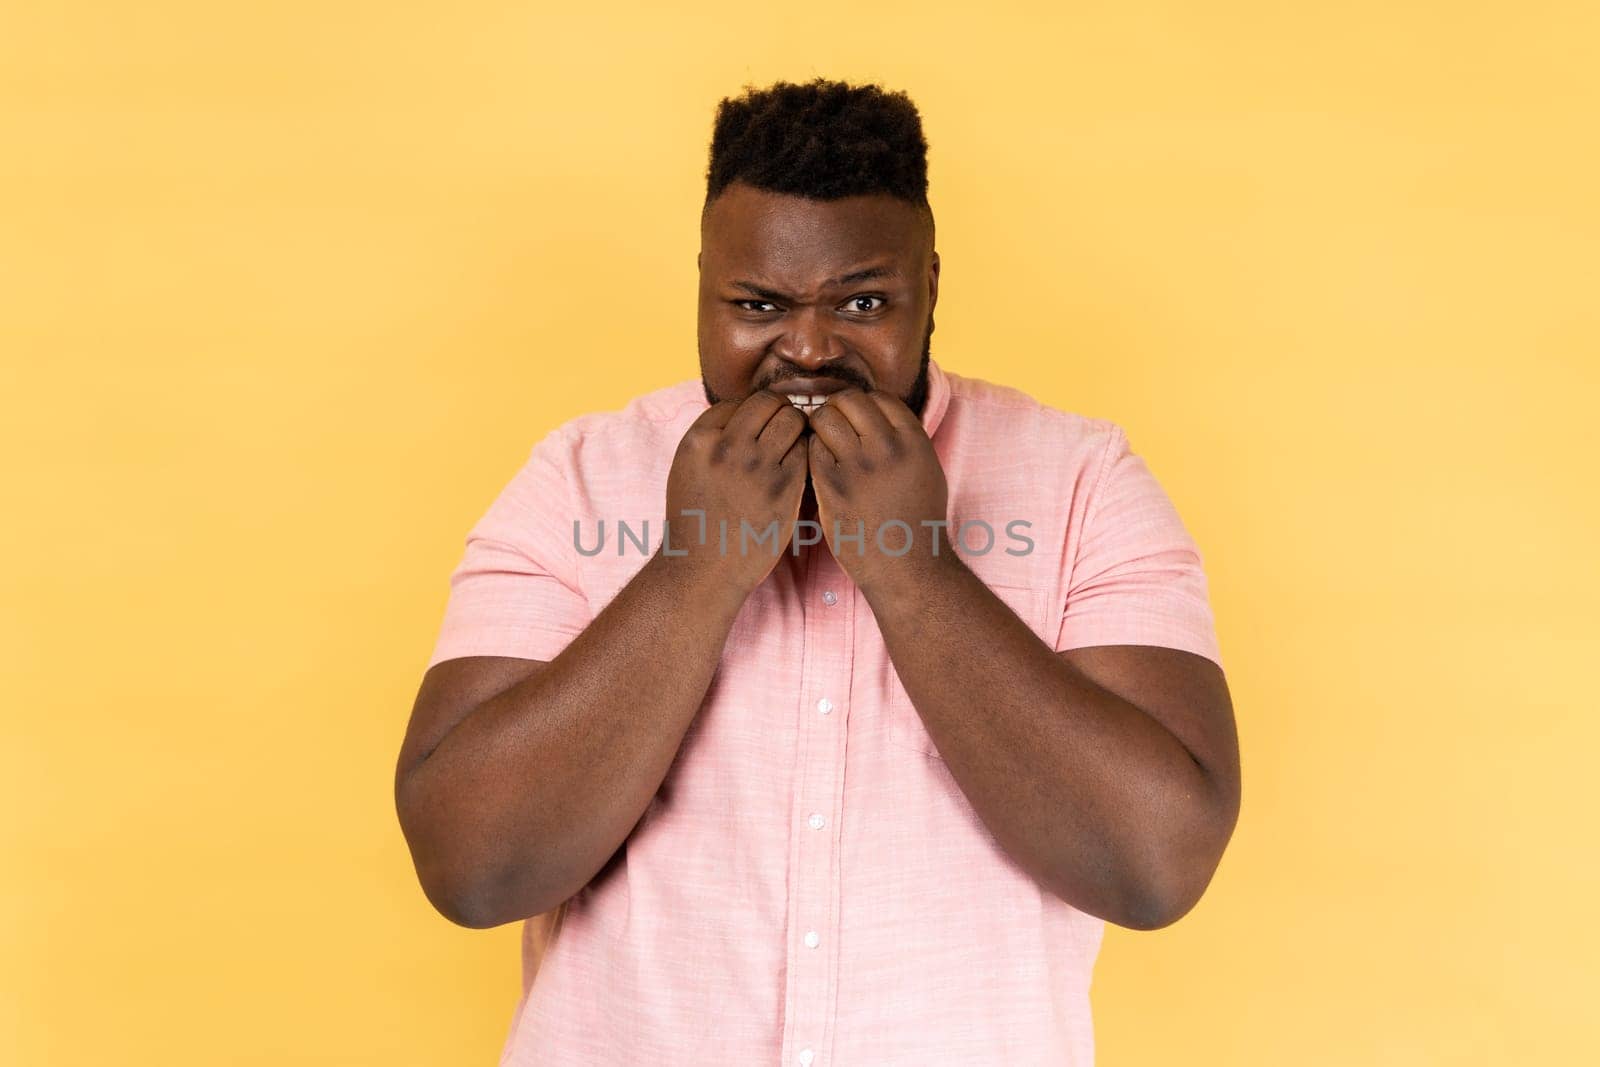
x,y
849,377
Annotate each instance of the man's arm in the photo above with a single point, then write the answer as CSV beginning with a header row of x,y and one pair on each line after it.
x,y
512,798
518,780
1111,773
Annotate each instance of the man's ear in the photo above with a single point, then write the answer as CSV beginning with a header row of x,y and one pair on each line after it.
x,y
933,283
698,256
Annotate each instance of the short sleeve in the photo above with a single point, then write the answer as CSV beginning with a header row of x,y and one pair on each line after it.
x,y
516,590
1136,577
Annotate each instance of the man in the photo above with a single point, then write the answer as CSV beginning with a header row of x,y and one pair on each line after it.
x,y
828,775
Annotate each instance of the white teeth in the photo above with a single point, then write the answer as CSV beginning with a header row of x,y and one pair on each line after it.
x,y
806,402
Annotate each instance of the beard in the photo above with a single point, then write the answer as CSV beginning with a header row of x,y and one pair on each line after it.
x,y
916,399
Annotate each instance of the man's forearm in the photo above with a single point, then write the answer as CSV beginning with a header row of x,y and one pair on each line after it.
x,y
1091,795
525,799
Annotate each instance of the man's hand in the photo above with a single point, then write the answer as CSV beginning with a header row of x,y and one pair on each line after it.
x,y
741,461
873,468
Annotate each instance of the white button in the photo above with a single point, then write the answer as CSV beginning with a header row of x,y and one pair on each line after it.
x,y
829,599
816,820
824,705
806,1055
812,940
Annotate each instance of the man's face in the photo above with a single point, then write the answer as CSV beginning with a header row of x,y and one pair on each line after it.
x,y
779,307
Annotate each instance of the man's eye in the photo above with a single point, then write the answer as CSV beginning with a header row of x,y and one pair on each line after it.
x,y
855,301
741,304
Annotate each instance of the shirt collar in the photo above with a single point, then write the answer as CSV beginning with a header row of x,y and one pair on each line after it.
x,y
938,397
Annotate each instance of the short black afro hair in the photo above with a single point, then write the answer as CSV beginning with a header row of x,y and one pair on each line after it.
x,y
823,140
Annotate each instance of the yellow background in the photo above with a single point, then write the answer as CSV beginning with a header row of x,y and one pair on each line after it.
x,y
287,292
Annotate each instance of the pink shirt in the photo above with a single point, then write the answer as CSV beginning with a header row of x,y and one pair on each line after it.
x,y
809,886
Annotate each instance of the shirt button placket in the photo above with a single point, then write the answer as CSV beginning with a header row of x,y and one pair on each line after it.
x,y
828,636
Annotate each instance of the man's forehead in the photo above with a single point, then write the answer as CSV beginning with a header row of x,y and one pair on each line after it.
x,y
756,229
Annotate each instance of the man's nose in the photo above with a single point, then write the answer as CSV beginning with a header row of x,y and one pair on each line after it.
x,y
809,340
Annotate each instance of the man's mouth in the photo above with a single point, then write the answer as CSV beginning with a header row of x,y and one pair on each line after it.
x,y
808,394
806,404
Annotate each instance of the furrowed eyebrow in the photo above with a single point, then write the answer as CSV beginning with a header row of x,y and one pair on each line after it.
x,y
863,275
832,283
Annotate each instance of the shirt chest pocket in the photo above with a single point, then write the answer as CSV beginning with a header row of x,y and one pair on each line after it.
x,y
905,728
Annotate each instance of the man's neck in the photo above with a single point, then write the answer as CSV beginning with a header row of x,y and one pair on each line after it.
x,y
808,511
808,503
